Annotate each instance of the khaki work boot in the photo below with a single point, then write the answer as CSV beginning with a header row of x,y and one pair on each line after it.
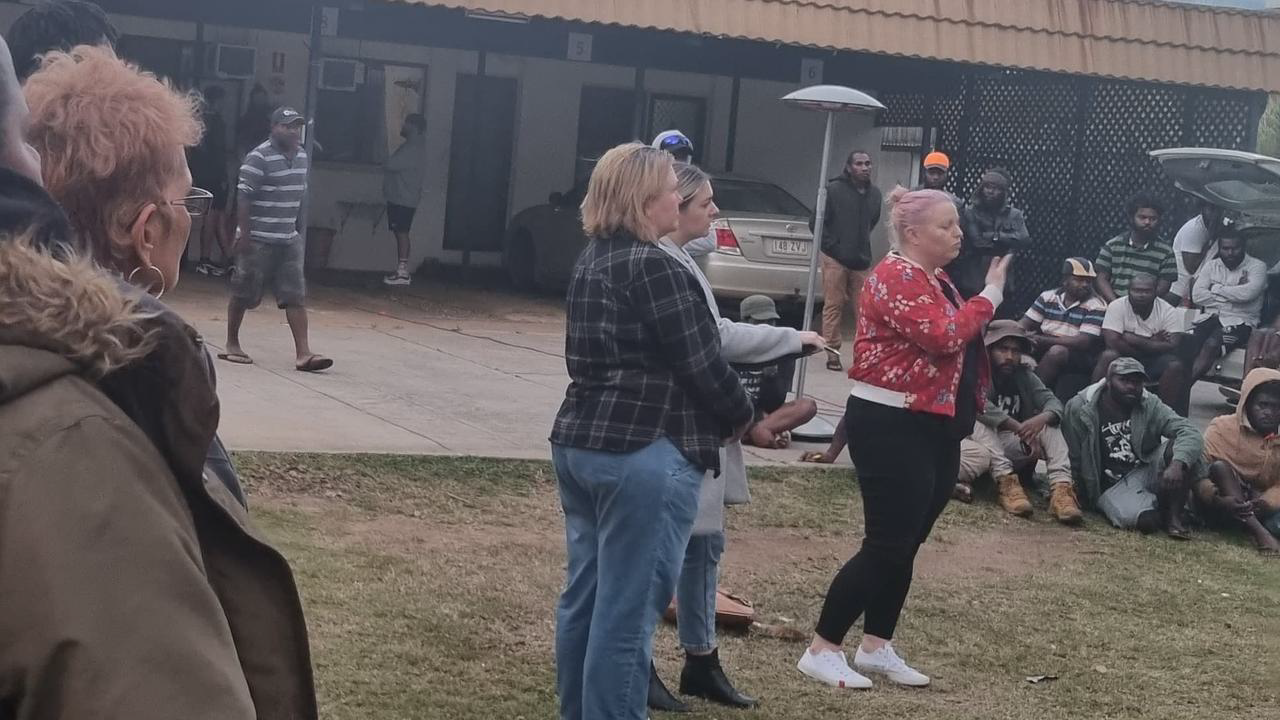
x,y
1063,504
1012,498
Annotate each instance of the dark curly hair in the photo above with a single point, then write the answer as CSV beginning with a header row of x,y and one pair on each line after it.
x,y
1145,199
57,25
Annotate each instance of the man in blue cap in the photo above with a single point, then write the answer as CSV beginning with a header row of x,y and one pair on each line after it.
x,y
676,143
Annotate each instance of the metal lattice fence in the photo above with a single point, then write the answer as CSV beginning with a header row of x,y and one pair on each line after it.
x,y
1076,149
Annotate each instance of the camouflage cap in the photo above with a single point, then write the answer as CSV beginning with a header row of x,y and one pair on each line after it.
x,y
1126,366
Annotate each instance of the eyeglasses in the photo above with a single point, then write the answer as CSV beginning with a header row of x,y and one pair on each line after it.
x,y
197,202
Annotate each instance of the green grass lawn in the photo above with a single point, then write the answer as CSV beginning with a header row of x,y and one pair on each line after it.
x,y
429,585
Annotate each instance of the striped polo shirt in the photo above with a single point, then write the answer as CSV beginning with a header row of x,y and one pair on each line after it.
x,y
1057,317
1123,260
273,184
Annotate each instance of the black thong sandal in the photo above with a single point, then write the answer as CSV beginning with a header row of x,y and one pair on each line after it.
x,y
315,363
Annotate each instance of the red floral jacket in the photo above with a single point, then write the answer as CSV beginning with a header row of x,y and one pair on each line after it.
x,y
911,339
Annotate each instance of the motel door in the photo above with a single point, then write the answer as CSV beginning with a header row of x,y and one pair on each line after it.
x,y
484,115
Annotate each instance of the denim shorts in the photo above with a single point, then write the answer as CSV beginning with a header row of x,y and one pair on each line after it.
x,y
280,265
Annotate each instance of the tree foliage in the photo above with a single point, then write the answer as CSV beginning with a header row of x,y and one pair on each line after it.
x,y
1269,128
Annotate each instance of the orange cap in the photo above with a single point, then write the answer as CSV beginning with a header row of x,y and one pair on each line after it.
x,y
937,159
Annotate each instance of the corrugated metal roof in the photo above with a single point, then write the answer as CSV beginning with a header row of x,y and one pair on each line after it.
x,y
1135,39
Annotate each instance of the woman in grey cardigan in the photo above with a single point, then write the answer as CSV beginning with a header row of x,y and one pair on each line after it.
x,y
696,591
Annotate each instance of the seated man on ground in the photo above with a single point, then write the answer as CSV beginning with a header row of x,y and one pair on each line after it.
x,y
1065,325
1145,327
832,453
1230,289
1243,450
775,417
1135,459
1020,423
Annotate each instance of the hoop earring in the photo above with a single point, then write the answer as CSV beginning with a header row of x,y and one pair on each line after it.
x,y
150,286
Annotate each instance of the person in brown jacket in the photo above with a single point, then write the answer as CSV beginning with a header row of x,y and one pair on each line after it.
x,y
131,583
1243,452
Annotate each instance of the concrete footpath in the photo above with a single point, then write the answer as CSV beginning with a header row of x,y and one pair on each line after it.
x,y
439,368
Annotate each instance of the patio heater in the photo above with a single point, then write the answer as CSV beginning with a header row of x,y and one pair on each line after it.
x,y
830,99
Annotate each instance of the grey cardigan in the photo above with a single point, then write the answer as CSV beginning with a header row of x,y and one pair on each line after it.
x,y
739,343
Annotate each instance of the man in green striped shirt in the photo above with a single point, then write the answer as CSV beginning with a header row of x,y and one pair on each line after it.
x,y
1136,251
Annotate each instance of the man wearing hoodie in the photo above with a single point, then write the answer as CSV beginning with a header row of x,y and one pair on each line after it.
x,y
1243,450
1134,458
852,212
992,228
1020,424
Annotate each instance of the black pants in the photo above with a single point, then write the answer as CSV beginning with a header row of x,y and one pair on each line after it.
x,y
907,464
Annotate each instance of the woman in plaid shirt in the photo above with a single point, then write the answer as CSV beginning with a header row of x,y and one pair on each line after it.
x,y
649,404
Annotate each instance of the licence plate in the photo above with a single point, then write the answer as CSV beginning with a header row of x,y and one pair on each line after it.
x,y
791,247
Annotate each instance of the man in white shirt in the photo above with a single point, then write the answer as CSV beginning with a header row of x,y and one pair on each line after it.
x,y
1145,327
1230,289
1194,245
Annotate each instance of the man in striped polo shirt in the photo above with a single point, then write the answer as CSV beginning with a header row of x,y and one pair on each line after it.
x,y
1065,325
1137,250
268,247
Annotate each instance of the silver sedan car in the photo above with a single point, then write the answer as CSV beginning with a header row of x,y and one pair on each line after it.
x,y
759,245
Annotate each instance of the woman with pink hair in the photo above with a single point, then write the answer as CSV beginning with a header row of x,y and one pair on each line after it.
x,y
920,377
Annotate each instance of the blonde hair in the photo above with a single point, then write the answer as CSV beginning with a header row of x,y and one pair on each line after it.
x,y
689,180
624,181
110,136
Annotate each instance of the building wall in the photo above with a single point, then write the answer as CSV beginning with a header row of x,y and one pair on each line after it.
x,y
773,142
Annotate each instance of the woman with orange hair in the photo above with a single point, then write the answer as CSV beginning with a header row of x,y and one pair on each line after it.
x,y
131,584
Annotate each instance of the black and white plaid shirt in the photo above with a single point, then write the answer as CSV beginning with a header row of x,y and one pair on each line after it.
x,y
643,354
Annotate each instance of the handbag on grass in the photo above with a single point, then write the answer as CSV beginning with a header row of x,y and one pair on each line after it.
x,y
731,611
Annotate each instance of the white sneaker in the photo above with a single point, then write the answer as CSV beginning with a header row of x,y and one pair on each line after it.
x,y
397,279
886,662
833,669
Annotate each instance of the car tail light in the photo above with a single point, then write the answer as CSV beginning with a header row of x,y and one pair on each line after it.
x,y
726,241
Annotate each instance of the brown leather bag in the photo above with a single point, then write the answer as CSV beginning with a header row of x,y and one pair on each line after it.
x,y
1263,350
731,611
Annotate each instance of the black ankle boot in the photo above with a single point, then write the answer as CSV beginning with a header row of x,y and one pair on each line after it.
x,y
660,698
703,677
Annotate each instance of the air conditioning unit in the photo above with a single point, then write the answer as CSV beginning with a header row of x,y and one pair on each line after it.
x,y
234,61
345,75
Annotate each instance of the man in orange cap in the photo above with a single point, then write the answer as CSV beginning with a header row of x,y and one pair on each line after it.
x,y
937,170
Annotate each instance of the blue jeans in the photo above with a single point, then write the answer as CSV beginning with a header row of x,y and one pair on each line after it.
x,y
627,521
696,593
